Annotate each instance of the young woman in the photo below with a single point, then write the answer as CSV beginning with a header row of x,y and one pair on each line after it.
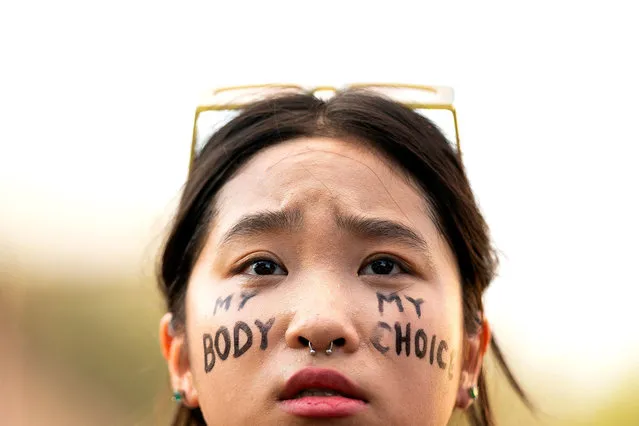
x,y
327,265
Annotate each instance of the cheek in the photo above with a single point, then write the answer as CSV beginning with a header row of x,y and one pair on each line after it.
x,y
228,336
419,337
429,335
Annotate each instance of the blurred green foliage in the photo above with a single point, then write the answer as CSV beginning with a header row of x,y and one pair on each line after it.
x,y
105,335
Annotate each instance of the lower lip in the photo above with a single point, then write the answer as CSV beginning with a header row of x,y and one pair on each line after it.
x,y
323,406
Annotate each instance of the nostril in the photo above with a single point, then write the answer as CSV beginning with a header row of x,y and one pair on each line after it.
x,y
339,342
303,341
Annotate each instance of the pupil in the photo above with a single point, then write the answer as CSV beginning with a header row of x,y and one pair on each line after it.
x,y
383,267
264,267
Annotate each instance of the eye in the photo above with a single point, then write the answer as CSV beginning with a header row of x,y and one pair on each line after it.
x,y
383,266
263,267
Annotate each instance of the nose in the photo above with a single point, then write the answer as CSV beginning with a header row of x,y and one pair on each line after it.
x,y
319,331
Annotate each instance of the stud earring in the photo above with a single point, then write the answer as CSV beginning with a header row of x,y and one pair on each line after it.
x,y
178,396
473,392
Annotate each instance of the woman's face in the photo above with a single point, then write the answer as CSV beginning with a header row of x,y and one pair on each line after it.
x,y
324,241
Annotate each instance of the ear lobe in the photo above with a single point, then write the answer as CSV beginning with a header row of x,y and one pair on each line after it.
x,y
476,348
174,351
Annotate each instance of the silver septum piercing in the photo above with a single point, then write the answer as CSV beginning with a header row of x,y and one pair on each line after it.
x,y
313,351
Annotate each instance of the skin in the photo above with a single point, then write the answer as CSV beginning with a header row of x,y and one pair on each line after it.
x,y
324,287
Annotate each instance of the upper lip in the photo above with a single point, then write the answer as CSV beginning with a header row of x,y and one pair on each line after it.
x,y
320,378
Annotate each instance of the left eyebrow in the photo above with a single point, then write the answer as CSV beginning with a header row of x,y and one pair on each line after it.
x,y
382,229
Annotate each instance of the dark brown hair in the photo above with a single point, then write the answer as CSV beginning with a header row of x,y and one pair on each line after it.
x,y
407,138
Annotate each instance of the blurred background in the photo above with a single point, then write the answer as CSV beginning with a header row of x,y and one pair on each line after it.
x,y
97,98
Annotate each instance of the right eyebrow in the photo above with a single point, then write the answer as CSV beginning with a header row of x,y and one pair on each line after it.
x,y
288,220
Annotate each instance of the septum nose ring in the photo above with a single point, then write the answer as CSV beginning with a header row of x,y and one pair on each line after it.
x,y
313,351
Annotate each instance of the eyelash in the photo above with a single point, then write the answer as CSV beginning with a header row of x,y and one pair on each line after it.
x,y
404,268
244,265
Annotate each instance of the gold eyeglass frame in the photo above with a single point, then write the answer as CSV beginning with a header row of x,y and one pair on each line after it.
x,y
444,102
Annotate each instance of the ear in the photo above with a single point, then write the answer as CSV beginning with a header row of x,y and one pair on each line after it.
x,y
175,353
476,347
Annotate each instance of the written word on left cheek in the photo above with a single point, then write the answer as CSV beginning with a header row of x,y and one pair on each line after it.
x,y
239,340
433,350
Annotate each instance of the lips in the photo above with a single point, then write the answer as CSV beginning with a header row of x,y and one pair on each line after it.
x,y
321,392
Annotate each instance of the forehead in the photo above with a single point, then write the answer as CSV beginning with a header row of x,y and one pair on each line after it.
x,y
310,172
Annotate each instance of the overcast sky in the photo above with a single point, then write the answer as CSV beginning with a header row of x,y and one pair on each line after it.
x,y
97,101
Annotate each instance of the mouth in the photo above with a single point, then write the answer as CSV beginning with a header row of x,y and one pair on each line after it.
x,y
321,392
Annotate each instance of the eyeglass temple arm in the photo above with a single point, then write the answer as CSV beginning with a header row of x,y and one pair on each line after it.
x,y
457,138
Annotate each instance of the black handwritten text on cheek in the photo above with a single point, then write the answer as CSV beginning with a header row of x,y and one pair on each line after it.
x,y
393,297
225,302
219,345
405,337
417,343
